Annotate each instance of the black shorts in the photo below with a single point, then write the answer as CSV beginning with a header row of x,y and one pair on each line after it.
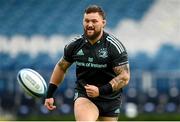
x,y
107,108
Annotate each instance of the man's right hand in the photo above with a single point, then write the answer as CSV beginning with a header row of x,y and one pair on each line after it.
x,y
49,103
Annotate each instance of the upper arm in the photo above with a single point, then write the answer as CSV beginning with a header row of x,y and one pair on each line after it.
x,y
122,71
63,64
119,58
119,63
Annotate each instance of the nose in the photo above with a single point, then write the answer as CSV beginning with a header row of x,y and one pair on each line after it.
x,y
90,24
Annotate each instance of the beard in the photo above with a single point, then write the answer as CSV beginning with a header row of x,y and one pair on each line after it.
x,y
92,36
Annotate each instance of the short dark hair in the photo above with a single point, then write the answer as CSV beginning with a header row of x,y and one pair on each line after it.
x,y
94,9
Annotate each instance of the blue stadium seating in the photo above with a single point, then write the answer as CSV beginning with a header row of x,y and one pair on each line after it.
x,y
22,60
54,16
6,62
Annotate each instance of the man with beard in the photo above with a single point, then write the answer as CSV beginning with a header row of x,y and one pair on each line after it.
x,y
102,70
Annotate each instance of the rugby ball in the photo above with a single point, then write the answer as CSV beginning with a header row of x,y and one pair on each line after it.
x,y
32,82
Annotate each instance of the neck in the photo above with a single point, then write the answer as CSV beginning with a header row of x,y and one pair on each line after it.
x,y
96,39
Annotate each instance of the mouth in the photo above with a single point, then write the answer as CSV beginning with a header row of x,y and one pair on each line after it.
x,y
90,29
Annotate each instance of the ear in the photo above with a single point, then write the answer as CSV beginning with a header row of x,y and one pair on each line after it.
x,y
104,23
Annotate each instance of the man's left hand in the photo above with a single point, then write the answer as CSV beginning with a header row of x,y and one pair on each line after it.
x,y
92,91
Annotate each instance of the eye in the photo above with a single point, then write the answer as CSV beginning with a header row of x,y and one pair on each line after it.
x,y
86,20
94,21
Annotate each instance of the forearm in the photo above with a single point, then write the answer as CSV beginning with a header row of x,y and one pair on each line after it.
x,y
56,78
121,80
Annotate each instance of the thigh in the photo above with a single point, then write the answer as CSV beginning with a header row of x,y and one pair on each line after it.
x,y
85,110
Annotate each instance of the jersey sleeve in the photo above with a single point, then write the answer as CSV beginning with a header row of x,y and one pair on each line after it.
x,y
70,48
119,54
68,53
119,59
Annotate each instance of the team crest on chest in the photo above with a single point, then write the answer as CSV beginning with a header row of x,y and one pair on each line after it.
x,y
90,59
103,53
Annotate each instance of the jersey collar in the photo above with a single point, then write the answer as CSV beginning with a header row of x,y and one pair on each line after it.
x,y
99,41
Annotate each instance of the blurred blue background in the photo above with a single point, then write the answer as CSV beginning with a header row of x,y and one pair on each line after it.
x,y
33,34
